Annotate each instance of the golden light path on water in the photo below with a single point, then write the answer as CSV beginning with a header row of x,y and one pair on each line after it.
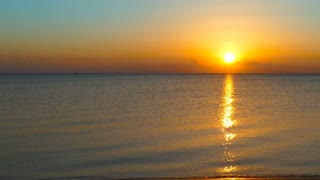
x,y
227,122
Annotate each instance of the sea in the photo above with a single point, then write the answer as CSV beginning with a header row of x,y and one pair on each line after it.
x,y
159,125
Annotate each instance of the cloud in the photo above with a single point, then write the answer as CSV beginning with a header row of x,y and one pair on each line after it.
x,y
147,65
166,65
264,67
91,65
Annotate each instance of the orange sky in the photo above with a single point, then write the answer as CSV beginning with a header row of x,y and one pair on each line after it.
x,y
180,36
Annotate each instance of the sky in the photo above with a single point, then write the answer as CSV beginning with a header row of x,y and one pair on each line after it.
x,y
159,36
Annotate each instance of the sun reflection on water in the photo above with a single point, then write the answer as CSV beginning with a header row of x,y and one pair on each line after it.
x,y
227,122
229,136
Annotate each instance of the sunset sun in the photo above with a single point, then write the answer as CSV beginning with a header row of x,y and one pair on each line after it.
x,y
229,58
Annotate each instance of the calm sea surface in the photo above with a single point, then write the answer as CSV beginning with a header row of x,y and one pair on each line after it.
x,y
159,125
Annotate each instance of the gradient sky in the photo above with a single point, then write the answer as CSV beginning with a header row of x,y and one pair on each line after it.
x,y
276,36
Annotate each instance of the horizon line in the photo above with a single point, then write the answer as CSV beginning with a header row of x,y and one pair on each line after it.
x,y
147,73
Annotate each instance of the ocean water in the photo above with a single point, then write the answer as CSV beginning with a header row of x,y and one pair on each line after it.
x,y
125,126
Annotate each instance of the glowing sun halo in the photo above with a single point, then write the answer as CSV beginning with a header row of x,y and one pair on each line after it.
x,y
229,58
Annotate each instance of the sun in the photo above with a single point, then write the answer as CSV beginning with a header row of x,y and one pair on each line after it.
x,y
229,58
